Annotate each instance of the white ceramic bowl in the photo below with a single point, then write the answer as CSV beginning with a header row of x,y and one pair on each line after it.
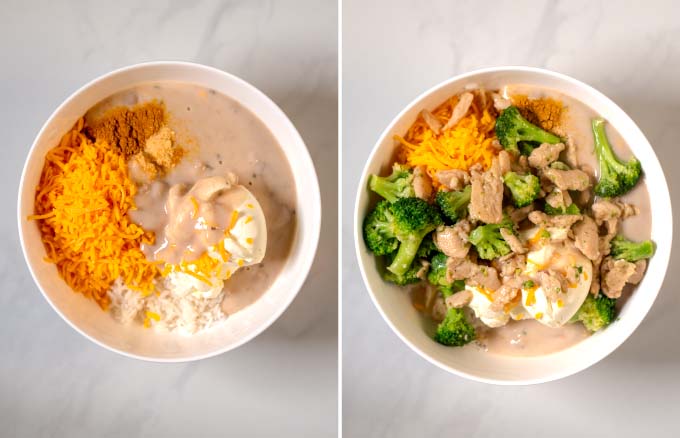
x,y
470,362
84,315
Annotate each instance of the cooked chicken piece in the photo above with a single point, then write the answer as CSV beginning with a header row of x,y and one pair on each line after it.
x,y
422,184
510,265
595,282
517,215
422,272
459,111
559,199
521,165
568,179
570,155
605,209
583,197
497,144
504,295
612,226
559,221
614,275
432,121
545,154
504,162
454,179
464,269
586,238
486,199
640,267
572,274
500,103
459,299
515,244
552,282
453,241
439,309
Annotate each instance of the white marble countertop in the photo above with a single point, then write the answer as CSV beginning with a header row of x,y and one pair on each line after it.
x,y
53,381
393,51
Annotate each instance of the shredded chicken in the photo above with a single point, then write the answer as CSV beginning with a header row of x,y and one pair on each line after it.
x,y
486,199
464,269
504,162
559,199
422,184
432,121
570,153
606,209
586,238
559,221
459,299
568,179
545,154
510,265
614,274
552,282
517,215
500,103
453,240
454,179
459,111
515,244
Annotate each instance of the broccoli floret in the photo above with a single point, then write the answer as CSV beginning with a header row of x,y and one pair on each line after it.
x,y
616,177
454,204
488,240
426,248
596,313
512,128
408,277
379,230
455,330
622,248
397,185
552,211
437,276
413,220
524,188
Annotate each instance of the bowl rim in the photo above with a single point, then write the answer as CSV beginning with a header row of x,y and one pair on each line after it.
x,y
358,220
307,258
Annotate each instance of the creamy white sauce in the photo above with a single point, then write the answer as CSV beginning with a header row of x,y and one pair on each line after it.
x,y
220,136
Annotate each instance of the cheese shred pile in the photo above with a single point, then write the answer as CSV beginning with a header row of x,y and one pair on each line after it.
x,y
81,206
468,143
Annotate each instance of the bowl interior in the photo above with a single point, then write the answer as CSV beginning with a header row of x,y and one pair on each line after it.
x,y
471,362
133,340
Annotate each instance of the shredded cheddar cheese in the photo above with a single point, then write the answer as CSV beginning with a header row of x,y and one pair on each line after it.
x,y
81,207
468,143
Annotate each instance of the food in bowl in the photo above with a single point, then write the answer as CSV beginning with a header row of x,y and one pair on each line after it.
x,y
170,205
515,218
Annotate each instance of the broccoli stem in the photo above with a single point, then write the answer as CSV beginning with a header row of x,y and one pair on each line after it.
x,y
602,148
405,255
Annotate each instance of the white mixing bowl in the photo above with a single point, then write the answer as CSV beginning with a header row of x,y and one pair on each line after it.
x,y
470,362
83,314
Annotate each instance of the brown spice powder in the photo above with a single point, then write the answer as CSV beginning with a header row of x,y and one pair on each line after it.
x,y
544,112
127,129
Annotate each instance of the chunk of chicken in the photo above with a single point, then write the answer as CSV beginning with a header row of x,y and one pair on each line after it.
x,y
545,154
640,267
454,179
422,184
432,121
552,282
570,156
459,299
510,265
559,221
486,199
558,199
464,269
517,215
459,111
500,102
568,179
453,240
505,294
595,282
586,238
504,162
606,209
516,245
614,274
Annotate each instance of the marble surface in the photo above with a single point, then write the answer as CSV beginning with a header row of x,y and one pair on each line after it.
x,y
53,381
394,50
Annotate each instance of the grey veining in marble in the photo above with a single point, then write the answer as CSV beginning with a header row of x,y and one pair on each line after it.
x,y
393,51
54,382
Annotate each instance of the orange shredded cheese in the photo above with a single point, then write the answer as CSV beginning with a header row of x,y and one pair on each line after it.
x,y
81,206
468,143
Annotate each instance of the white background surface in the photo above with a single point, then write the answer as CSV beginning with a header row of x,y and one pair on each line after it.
x,y
393,51
54,382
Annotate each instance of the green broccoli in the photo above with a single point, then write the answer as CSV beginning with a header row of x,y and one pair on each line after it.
x,y
437,276
616,177
426,248
552,211
512,128
524,188
413,220
488,240
408,277
455,330
622,248
397,185
454,204
379,230
596,313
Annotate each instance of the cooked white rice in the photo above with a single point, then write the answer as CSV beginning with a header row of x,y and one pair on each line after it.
x,y
179,311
